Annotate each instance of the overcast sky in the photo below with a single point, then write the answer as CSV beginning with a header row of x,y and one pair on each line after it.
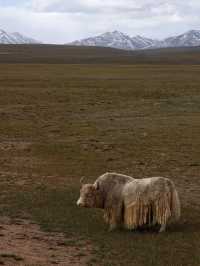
x,y
62,21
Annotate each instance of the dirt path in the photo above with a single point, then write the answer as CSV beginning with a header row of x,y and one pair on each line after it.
x,y
23,243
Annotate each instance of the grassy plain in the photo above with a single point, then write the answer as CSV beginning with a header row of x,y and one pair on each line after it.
x,y
59,122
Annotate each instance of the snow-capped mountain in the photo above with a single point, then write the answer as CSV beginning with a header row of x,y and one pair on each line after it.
x,y
113,39
15,38
141,42
23,39
120,40
189,38
5,37
117,39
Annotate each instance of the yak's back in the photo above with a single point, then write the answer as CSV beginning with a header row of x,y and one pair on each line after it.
x,y
148,189
111,180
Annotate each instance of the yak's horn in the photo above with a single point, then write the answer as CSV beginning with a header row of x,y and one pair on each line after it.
x,y
81,180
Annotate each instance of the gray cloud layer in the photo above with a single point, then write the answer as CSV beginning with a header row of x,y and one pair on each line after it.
x,y
61,21
111,6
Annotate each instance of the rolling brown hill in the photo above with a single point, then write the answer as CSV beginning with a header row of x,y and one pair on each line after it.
x,y
63,54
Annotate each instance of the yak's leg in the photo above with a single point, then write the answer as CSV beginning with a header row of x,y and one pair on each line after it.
x,y
114,222
164,225
109,219
115,217
162,228
113,226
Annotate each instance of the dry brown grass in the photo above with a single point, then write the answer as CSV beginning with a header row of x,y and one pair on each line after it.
x,y
61,122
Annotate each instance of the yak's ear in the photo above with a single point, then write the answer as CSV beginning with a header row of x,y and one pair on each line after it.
x,y
96,185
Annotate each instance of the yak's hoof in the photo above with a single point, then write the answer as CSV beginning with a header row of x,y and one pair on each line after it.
x,y
162,228
112,228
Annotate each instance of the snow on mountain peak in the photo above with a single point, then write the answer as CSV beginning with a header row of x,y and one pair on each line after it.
x,y
15,38
117,39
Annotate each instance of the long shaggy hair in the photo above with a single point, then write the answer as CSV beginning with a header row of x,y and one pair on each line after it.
x,y
150,209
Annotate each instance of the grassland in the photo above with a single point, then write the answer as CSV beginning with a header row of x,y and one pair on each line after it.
x,y
59,122
64,54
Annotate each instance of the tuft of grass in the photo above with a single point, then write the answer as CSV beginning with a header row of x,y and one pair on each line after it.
x,y
11,256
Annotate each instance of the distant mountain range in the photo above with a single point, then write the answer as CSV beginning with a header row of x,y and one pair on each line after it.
x,y
15,38
120,40
115,39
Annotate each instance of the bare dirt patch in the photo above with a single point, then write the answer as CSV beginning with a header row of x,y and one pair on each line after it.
x,y
23,243
14,145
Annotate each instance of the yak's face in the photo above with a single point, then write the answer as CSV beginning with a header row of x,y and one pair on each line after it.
x,y
90,197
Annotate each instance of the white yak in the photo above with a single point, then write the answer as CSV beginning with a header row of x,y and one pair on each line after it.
x,y
132,203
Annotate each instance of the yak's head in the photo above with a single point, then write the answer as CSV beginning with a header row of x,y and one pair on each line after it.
x,y
90,196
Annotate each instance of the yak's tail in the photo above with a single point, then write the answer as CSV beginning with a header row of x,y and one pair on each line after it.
x,y
175,204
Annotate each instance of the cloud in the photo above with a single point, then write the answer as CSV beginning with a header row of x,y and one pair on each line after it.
x,y
122,9
62,21
100,6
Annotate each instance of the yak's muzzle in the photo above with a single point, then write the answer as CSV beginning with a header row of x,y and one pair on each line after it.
x,y
79,203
